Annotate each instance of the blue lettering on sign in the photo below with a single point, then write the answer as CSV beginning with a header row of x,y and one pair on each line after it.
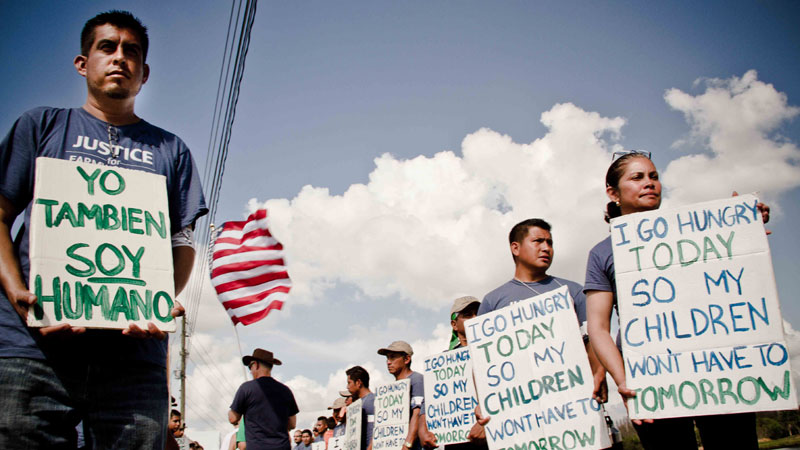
x,y
659,229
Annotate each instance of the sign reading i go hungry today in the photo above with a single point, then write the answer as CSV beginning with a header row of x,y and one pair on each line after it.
x,y
100,247
533,376
450,398
700,321
392,413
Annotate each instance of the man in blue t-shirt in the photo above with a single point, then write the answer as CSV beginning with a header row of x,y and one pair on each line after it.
x,y
269,408
54,377
531,245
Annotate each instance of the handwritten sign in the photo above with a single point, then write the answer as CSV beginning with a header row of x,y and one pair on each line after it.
x,y
392,413
700,320
336,443
352,435
101,253
533,376
318,445
450,398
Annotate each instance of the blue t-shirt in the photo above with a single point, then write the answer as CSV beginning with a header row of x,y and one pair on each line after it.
x,y
367,419
74,134
600,273
515,290
600,269
267,405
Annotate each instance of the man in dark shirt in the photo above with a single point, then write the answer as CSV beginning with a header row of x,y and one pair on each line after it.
x,y
268,405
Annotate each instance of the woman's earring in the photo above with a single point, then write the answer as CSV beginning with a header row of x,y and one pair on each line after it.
x,y
617,202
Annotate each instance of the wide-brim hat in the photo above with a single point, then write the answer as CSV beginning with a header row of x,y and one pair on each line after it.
x,y
262,355
461,303
397,346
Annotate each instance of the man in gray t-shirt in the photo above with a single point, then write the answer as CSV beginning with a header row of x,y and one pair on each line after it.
x,y
398,362
531,247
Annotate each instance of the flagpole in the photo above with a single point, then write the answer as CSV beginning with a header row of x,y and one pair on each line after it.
x,y
239,344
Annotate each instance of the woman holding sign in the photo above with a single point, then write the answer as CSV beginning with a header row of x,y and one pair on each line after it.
x,y
632,185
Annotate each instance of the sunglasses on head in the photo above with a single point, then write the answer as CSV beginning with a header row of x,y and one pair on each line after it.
x,y
617,155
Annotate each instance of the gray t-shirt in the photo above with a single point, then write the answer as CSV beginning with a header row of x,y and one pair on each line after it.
x,y
367,419
600,273
515,290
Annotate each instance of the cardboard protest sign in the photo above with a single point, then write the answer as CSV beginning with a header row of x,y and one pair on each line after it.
x,y
392,413
533,376
100,250
700,320
318,445
336,443
352,435
450,398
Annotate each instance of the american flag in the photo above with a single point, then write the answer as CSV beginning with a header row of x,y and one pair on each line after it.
x,y
247,269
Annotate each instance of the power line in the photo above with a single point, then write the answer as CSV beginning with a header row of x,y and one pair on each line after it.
x,y
237,44
214,381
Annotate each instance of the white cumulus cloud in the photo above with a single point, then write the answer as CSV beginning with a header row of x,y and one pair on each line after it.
x,y
737,121
430,228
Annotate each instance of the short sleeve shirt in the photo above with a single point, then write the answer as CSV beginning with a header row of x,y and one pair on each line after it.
x,y
267,405
600,273
367,419
515,290
76,135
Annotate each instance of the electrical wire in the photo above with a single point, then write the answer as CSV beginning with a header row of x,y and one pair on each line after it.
x,y
237,43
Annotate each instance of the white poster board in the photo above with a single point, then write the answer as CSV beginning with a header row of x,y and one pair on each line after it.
x,y
450,398
352,434
392,413
318,445
100,250
336,443
533,376
700,321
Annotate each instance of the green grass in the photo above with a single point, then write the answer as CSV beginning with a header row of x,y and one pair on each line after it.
x,y
779,443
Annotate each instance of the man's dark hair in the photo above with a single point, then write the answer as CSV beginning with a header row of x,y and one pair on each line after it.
x,y
358,373
119,19
323,419
308,432
520,230
174,413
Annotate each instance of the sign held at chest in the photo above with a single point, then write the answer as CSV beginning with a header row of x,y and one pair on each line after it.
x,y
100,247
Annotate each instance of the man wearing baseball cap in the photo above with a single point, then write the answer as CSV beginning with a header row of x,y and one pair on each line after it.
x,y
268,405
338,407
464,308
398,362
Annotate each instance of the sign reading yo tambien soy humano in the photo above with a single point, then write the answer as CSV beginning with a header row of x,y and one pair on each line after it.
x,y
392,413
700,320
100,247
533,376
450,398
352,432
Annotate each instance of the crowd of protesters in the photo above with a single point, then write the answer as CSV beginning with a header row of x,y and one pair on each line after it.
x,y
56,397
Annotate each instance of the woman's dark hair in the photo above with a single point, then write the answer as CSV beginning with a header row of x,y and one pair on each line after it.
x,y
615,172
331,423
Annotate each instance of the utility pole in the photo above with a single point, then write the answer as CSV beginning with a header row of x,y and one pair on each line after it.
x,y
184,353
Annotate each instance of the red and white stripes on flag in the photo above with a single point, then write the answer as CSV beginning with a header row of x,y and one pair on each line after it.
x,y
247,269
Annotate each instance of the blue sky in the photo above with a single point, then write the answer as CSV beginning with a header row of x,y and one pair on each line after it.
x,y
330,87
